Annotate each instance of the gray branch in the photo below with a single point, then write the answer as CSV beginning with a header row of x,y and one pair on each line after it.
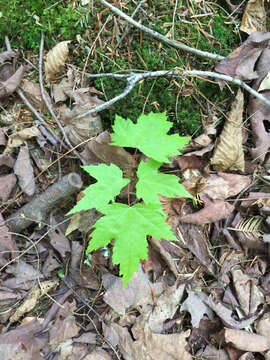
x,y
37,209
133,78
159,36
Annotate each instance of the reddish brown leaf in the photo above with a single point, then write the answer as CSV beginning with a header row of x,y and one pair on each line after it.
x,y
212,212
240,63
10,85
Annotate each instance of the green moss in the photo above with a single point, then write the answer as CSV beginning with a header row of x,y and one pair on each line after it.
x,y
60,21
24,20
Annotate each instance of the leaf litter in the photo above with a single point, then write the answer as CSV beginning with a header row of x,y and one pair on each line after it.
x,y
204,294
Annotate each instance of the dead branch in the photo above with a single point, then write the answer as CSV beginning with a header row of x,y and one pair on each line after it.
x,y
160,37
38,208
133,78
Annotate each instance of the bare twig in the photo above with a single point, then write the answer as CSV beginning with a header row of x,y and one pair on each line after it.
x,y
38,208
127,28
55,118
159,36
133,78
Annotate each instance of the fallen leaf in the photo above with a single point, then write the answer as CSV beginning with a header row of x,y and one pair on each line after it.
x,y
22,343
246,341
10,85
229,154
260,118
7,160
136,294
212,212
55,60
98,354
226,315
7,183
254,17
262,325
211,352
8,245
32,91
32,298
165,307
152,346
17,139
240,63
7,55
23,272
24,170
265,84
223,185
193,238
195,305
65,326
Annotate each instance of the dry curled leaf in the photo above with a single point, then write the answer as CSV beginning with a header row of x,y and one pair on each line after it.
x,y
241,62
212,212
56,59
33,297
17,139
254,18
229,154
10,85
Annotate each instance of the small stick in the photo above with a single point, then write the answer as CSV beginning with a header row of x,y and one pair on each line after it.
x,y
133,78
47,103
159,36
127,28
37,209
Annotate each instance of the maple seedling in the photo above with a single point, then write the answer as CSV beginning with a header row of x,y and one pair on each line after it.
x,y
127,225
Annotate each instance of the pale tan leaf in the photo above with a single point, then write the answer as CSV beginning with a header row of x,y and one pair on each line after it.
x,y
56,59
229,154
33,297
254,18
265,84
243,340
17,139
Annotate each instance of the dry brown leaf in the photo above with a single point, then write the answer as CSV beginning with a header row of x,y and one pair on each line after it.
x,y
265,84
10,85
246,341
226,315
222,185
98,354
24,170
55,60
33,94
65,326
241,62
17,139
229,154
152,346
254,18
212,212
7,183
32,298
7,55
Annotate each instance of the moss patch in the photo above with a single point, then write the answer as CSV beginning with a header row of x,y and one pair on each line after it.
x,y
64,20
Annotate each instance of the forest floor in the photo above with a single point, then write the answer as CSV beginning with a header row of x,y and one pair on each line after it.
x,y
190,241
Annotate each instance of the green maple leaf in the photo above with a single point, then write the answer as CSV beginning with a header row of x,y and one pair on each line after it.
x,y
129,226
149,135
151,183
110,182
